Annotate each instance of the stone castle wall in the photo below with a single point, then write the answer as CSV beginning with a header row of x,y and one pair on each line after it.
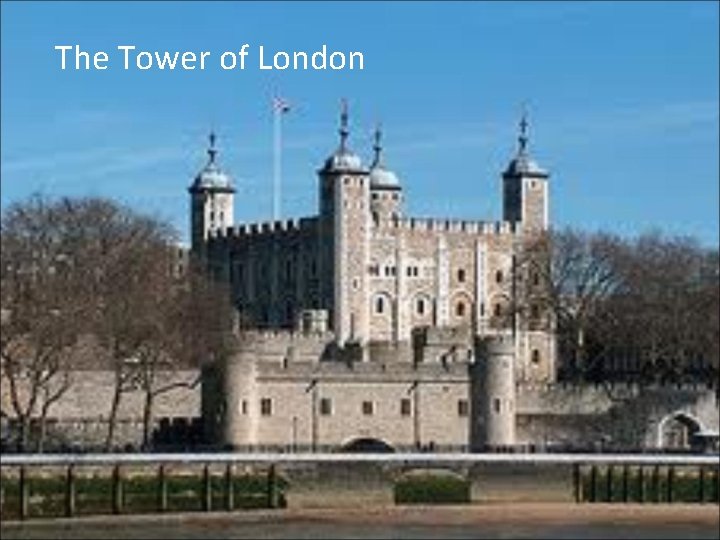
x,y
80,418
318,396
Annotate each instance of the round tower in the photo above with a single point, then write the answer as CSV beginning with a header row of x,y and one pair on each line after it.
x,y
230,404
493,394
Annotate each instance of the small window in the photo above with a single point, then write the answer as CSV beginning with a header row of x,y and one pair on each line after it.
x,y
288,270
535,357
289,311
496,405
536,278
405,407
498,276
420,306
461,275
534,311
379,304
460,309
462,407
243,406
325,406
266,406
498,310
367,408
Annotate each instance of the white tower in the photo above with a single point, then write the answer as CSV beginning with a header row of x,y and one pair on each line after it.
x,y
211,198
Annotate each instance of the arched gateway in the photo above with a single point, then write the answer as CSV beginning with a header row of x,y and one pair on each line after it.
x,y
368,445
678,431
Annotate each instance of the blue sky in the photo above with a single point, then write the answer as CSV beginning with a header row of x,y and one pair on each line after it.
x,y
623,100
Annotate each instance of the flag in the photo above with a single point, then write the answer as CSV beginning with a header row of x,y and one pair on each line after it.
x,y
280,104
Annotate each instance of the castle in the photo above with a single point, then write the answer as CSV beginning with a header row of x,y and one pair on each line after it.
x,y
363,327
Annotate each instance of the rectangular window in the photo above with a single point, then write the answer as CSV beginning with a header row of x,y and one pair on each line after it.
x,y
462,407
243,406
496,405
367,408
405,407
266,406
325,406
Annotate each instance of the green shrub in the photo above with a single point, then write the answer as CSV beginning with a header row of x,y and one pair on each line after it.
x,y
432,489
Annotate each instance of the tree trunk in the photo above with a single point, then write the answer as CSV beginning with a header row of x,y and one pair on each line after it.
x,y
147,418
41,436
24,433
112,418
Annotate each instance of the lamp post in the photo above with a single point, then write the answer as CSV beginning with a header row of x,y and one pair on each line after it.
x,y
312,387
415,412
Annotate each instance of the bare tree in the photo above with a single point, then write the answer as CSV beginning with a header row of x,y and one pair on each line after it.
x,y
190,316
40,321
667,308
570,274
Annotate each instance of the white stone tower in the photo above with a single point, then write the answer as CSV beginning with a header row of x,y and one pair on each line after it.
x,y
211,199
345,233
525,188
493,393
386,197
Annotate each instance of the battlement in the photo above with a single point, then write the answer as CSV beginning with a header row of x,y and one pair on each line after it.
x,y
284,336
454,225
250,231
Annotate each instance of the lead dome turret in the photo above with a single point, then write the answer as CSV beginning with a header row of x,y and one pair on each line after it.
x,y
343,159
380,175
211,176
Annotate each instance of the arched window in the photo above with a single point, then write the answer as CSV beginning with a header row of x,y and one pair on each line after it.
x,y
379,304
420,306
461,275
497,310
498,276
460,309
535,357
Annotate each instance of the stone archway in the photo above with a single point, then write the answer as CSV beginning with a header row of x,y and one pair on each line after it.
x,y
677,431
367,445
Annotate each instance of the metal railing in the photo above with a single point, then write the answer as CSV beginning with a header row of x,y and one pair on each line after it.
x,y
406,458
588,471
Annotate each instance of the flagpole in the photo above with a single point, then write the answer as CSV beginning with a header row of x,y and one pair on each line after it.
x,y
277,163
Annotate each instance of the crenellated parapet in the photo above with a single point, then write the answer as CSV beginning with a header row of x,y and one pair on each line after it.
x,y
452,226
248,232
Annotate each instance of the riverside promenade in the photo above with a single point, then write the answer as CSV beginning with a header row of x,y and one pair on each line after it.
x,y
500,520
351,496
